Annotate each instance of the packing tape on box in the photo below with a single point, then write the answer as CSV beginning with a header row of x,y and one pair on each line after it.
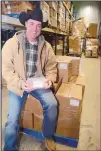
x,y
73,102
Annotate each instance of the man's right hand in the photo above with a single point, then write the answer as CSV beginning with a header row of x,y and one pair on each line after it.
x,y
26,86
23,85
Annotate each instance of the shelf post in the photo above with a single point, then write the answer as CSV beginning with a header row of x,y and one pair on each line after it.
x,y
56,39
63,45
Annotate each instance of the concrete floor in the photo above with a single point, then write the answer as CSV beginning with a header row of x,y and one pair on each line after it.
x,y
90,121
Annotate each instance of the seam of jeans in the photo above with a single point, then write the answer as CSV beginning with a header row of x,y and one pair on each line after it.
x,y
37,98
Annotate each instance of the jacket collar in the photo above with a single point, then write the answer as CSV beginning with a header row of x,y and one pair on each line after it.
x,y
19,36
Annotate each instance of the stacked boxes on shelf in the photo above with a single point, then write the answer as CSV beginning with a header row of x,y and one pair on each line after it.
x,y
62,16
46,11
9,7
67,22
69,93
53,13
68,4
92,46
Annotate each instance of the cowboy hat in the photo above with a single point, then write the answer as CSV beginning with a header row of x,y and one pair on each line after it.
x,y
35,14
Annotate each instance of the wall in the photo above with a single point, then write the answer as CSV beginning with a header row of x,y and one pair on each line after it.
x,y
91,11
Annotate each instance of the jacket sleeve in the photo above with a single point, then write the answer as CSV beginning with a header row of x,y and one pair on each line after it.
x,y
51,66
8,71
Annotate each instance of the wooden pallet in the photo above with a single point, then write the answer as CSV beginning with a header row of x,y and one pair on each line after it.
x,y
74,55
91,56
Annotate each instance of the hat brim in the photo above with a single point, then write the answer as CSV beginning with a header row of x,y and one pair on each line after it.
x,y
23,17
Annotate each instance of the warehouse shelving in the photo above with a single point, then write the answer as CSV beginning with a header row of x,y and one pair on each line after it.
x,y
13,23
6,20
68,10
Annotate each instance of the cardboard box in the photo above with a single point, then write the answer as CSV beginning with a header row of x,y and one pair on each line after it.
x,y
38,122
17,7
46,11
53,22
94,42
92,30
67,27
73,79
33,105
94,49
74,44
53,5
53,13
73,64
70,128
79,28
88,53
64,68
69,96
81,80
94,54
26,120
57,85
68,4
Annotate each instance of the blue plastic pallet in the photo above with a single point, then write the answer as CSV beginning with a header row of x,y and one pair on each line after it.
x,y
59,139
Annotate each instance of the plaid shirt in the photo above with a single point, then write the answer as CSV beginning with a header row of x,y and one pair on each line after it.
x,y
31,52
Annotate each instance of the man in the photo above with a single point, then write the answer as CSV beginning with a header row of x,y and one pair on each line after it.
x,y
25,55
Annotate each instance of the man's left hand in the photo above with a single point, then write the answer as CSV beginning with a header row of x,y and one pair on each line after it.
x,y
47,84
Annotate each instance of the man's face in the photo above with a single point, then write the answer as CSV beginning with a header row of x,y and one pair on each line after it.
x,y
33,28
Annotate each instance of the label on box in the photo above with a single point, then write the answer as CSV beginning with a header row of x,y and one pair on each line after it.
x,y
74,102
70,50
63,66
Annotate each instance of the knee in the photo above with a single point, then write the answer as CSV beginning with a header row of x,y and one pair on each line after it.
x,y
50,105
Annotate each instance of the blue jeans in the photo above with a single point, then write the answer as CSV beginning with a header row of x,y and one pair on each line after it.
x,y
49,104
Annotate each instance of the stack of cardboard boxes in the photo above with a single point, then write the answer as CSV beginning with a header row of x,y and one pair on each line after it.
x,y
10,7
92,47
61,16
75,45
92,30
67,22
79,28
46,11
53,6
78,32
92,43
68,4
69,93
55,12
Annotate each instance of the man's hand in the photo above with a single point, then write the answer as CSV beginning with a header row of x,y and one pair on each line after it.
x,y
47,84
27,86
23,85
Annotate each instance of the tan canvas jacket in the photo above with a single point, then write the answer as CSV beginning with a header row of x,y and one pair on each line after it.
x,y
14,65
